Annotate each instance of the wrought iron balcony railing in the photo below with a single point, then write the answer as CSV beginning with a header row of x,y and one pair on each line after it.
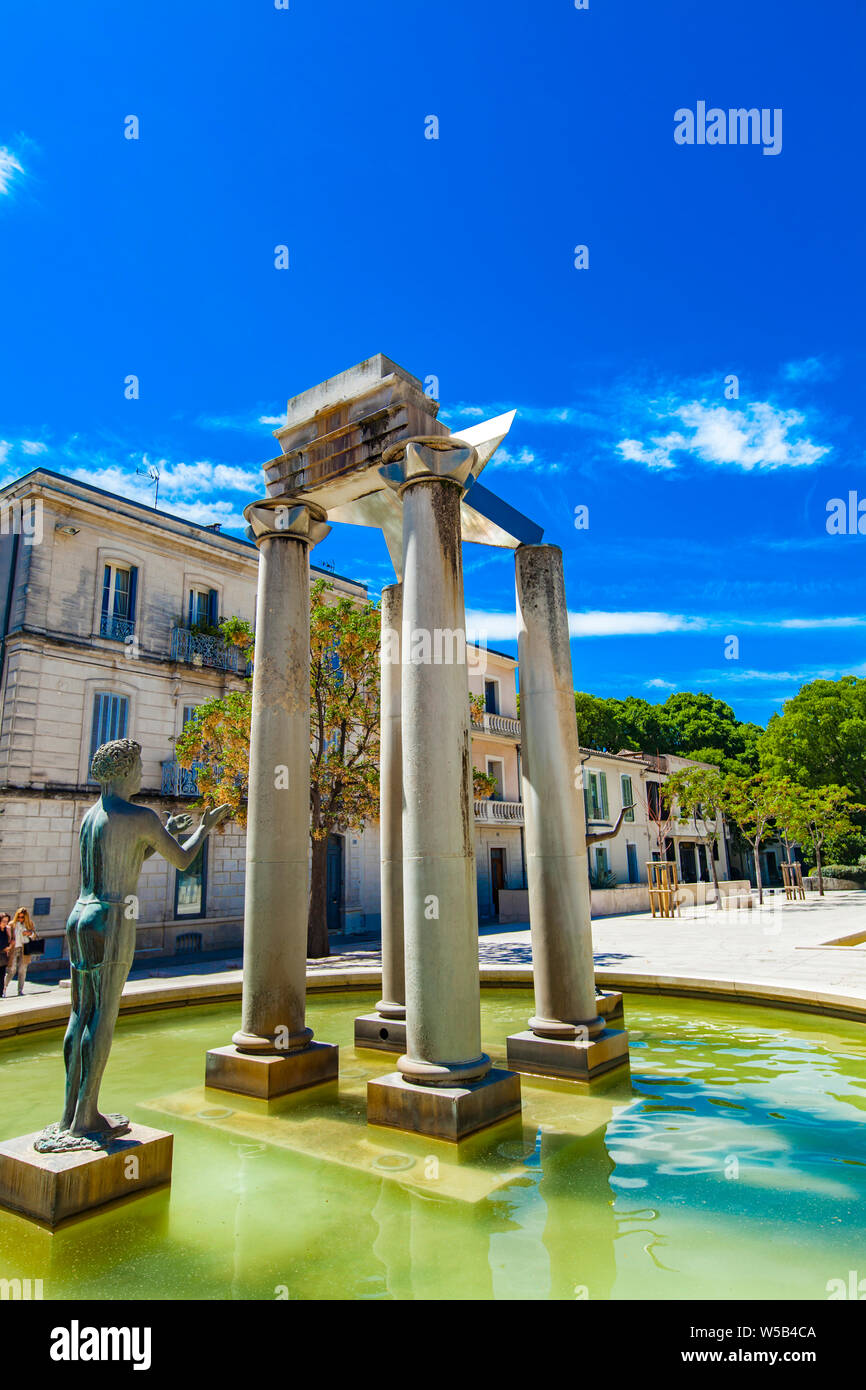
x,y
117,629
499,811
177,780
200,649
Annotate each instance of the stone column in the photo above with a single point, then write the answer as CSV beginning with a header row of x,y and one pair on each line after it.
x,y
567,1033
385,1030
444,1086
273,1051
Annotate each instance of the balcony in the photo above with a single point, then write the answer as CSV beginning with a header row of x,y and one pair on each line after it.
x,y
177,780
497,724
200,649
499,812
116,629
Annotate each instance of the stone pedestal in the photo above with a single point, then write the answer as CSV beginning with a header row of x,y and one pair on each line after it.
x,y
572,1059
609,1005
273,1026
379,1033
53,1187
268,1075
443,1112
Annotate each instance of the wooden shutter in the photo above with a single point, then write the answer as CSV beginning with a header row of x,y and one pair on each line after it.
x,y
133,593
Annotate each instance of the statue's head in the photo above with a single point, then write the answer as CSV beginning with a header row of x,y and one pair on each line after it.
x,y
118,765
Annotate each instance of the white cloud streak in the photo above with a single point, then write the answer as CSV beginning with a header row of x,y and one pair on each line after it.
x,y
10,167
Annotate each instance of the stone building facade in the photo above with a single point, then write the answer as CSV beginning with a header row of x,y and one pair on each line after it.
x,y
106,617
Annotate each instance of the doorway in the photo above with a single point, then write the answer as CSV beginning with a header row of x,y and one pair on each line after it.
x,y
497,876
688,864
334,885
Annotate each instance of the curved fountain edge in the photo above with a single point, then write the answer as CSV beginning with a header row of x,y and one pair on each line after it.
x,y
34,1013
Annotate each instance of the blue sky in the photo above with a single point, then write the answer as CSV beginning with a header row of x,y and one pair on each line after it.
x,y
455,257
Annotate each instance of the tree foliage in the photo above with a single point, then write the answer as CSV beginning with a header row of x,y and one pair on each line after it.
x,y
691,725
344,733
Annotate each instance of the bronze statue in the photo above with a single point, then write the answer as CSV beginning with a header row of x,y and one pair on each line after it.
x,y
116,837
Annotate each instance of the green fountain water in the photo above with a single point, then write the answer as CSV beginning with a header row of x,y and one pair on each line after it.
x,y
731,1164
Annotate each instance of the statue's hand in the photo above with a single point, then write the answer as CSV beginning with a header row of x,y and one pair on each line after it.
x,y
176,825
215,817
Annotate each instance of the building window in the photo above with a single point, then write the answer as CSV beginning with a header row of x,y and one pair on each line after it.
x,y
631,856
110,720
496,769
117,619
595,796
627,800
191,887
203,608
600,863
491,697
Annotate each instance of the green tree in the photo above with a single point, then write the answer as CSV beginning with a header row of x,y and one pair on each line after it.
x,y
344,734
750,802
819,815
819,739
699,721
599,724
699,794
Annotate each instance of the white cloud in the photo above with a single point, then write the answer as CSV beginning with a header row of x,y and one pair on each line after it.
x,y
524,459
657,457
601,624
807,369
5,447
503,626
32,446
9,167
762,436
852,621
657,684
239,479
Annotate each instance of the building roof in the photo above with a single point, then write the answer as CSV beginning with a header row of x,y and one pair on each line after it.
x,y
152,516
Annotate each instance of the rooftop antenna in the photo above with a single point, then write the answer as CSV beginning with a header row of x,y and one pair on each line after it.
x,y
152,473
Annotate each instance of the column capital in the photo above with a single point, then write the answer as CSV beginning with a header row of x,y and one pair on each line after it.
x,y
428,456
291,518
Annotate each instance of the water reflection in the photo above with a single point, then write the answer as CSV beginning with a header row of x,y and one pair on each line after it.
x,y
731,1163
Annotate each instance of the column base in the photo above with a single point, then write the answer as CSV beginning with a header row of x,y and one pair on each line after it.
x,y
53,1187
380,1034
442,1112
573,1061
609,1005
270,1075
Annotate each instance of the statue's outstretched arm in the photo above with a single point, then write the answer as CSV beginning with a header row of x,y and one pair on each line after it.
x,y
182,855
609,834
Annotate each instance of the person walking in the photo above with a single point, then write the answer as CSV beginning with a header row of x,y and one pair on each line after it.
x,y
21,930
5,944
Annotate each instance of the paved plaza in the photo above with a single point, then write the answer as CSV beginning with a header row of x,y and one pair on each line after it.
x,y
778,953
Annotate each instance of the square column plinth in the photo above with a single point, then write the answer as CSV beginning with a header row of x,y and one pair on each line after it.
x,y
442,1112
266,1075
609,1005
568,1059
52,1187
380,1034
